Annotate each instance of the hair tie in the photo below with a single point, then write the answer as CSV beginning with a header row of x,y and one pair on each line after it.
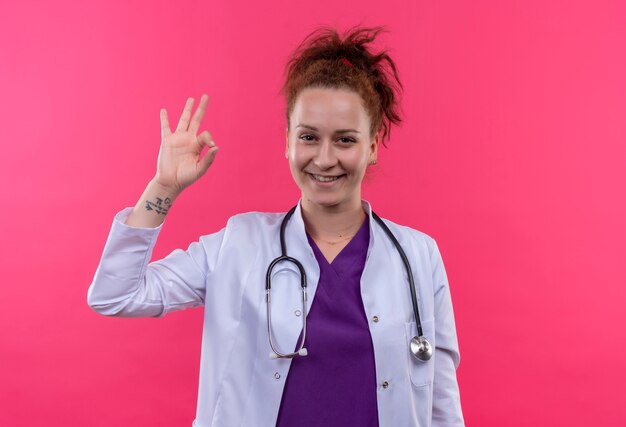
x,y
345,61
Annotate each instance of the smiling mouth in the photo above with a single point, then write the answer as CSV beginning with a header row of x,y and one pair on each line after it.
x,y
322,178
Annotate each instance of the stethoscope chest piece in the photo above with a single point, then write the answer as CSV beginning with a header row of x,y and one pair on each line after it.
x,y
421,348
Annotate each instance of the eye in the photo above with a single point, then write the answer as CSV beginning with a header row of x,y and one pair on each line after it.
x,y
305,136
346,140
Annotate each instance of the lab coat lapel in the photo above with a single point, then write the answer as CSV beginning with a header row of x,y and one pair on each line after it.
x,y
386,297
298,247
286,293
269,374
384,283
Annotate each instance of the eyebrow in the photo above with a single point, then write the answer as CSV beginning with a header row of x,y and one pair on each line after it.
x,y
337,131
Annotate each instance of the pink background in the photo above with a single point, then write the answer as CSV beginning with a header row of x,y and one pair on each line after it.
x,y
512,156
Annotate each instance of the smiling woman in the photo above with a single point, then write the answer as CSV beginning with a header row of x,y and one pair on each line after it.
x,y
369,350
339,98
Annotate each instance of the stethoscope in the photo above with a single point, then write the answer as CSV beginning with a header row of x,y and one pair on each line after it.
x,y
420,347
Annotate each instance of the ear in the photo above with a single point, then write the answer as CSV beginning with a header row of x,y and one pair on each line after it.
x,y
374,147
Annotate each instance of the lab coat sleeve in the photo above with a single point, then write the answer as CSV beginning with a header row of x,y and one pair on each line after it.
x,y
127,285
447,410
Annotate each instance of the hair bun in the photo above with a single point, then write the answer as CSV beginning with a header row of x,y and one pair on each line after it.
x,y
326,59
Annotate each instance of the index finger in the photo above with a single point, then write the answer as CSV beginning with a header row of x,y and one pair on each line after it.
x,y
165,124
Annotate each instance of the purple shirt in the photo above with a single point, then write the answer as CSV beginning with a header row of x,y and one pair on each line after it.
x,y
335,385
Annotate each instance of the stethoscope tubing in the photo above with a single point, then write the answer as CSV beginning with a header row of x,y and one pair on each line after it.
x,y
407,266
268,285
420,347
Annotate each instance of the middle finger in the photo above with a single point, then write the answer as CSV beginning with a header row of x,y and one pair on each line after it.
x,y
199,114
183,123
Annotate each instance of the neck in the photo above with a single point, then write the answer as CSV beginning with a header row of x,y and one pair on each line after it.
x,y
332,222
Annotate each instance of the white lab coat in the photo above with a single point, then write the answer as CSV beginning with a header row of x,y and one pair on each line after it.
x,y
240,385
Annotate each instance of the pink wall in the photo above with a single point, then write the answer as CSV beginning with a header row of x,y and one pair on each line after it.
x,y
512,155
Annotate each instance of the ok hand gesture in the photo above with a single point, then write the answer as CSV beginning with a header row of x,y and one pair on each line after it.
x,y
179,164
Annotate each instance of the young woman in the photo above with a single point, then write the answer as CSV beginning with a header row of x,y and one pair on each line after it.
x,y
323,316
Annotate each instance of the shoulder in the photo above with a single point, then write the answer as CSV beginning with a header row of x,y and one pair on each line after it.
x,y
244,234
243,227
255,217
253,223
413,237
421,248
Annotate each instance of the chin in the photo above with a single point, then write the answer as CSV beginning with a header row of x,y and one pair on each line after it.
x,y
326,201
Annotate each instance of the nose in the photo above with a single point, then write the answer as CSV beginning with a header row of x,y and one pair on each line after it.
x,y
325,157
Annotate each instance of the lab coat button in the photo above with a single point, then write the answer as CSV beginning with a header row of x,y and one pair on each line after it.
x,y
385,384
276,375
375,319
297,312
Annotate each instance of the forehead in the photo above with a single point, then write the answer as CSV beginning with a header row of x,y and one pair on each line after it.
x,y
329,108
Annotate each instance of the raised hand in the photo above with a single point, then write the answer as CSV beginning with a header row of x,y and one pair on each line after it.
x,y
179,164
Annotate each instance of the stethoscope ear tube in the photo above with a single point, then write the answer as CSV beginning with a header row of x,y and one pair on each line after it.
x,y
274,354
268,285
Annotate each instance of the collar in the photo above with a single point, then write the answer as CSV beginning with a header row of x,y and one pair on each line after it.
x,y
297,225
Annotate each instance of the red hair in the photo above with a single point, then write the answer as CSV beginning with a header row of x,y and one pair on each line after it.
x,y
326,59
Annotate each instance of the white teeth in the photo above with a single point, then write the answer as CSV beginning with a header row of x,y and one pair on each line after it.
x,y
325,178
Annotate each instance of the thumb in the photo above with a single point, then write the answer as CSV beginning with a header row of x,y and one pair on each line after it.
x,y
207,160
205,140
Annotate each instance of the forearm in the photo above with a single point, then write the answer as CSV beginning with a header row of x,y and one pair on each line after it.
x,y
152,206
126,284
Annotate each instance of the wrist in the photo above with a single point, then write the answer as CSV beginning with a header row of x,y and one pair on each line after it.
x,y
163,190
